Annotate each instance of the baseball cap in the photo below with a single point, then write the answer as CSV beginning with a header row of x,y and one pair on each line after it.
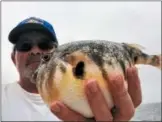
x,y
30,24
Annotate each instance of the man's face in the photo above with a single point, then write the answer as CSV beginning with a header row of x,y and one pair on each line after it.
x,y
29,49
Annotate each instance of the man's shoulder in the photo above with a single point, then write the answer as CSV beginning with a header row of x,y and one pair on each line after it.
x,y
6,86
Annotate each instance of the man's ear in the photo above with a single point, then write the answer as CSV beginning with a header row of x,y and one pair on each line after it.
x,y
13,57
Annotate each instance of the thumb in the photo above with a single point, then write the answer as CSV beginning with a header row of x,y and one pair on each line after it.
x,y
64,113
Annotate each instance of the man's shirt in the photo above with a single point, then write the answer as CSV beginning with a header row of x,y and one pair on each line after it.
x,y
20,105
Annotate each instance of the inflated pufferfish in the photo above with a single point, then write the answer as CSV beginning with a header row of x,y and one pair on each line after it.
x,y
61,77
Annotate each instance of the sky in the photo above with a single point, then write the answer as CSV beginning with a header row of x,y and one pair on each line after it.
x,y
131,22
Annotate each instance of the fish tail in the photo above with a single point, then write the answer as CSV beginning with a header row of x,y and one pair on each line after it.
x,y
156,61
153,60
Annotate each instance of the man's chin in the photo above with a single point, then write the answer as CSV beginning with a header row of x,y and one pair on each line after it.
x,y
28,73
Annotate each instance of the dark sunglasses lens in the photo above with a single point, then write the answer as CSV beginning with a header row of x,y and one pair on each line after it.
x,y
46,45
23,46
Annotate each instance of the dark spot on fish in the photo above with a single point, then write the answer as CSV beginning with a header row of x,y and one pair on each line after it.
x,y
140,55
78,71
128,53
128,58
128,49
145,56
63,68
123,67
131,52
104,73
109,62
96,58
135,58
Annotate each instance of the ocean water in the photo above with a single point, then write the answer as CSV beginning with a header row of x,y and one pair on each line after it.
x,y
148,112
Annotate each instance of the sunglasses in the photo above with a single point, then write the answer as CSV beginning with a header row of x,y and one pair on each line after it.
x,y
27,45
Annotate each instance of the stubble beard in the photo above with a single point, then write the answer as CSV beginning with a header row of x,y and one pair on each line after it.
x,y
28,72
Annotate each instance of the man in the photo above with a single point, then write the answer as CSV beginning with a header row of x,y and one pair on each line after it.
x,y
20,100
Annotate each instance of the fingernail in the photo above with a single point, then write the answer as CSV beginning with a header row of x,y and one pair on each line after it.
x,y
92,86
56,108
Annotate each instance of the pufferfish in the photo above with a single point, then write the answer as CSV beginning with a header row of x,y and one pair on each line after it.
x,y
61,77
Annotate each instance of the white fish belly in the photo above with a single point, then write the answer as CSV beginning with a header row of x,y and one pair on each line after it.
x,y
79,103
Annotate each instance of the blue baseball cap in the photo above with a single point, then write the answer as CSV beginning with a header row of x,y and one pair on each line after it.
x,y
30,24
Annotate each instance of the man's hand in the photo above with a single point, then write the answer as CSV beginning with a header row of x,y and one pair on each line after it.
x,y
125,100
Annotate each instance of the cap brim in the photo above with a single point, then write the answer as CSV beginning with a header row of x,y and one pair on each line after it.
x,y
17,31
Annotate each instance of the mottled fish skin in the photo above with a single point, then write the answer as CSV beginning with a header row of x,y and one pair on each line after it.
x,y
100,51
97,49
55,80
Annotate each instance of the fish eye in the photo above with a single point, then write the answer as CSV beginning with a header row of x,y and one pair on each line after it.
x,y
46,57
78,71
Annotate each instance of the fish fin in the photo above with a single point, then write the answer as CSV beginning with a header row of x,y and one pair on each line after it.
x,y
155,60
137,46
152,60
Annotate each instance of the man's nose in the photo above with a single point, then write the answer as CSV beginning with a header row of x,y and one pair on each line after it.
x,y
36,50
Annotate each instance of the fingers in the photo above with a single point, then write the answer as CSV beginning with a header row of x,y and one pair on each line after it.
x,y
134,87
122,100
64,113
97,102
